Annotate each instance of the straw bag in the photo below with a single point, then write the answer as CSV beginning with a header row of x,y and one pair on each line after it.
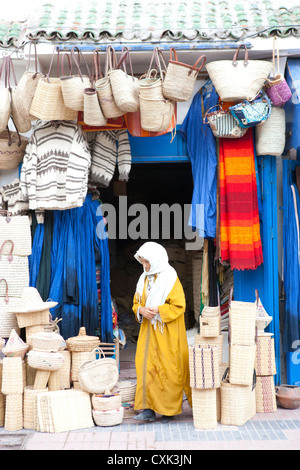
x,y
16,229
48,102
92,112
223,124
104,89
15,270
8,321
125,87
217,342
242,362
180,78
265,355
237,403
242,323
98,375
5,106
22,122
156,111
265,395
133,122
204,367
252,113
72,86
238,80
108,418
277,88
270,135
12,149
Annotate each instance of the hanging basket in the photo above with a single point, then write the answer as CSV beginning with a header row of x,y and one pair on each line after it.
x,y
12,149
270,134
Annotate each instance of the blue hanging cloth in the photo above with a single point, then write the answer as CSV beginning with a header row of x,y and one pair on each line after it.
x,y
201,145
34,259
291,267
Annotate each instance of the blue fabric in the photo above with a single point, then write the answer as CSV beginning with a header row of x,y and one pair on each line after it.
x,y
201,146
36,253
291,270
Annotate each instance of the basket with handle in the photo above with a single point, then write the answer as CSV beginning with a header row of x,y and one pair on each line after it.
x,y
125,87
8,320
98,375
242,322
237,80
180,78
210,322
92,112
223,124
17,229
5,105
21,122
277,88
14,269
270,134
12,148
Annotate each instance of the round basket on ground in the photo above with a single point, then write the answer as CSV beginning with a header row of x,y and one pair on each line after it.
x,y
108,418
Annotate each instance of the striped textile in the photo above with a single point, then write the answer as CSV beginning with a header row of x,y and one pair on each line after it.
x,y
240,241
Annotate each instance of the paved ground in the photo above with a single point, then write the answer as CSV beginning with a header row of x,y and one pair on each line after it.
x,y
277,431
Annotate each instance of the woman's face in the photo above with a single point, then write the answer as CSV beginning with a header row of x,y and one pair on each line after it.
x,y
146,264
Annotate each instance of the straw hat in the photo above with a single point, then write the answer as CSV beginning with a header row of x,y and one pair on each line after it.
x,y
31,301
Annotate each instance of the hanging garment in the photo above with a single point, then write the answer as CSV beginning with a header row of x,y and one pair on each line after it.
x,y
201,146
291,267
240,241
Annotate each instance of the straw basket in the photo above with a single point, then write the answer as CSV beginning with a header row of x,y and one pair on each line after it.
x,y
204,367
265,395
92,114
5,107
127,389
270,134
82,342
125,87
12,376
241,360
65,370
210,322
217,342
98,375
29,406
45,360
27,319
265,356
108,418
12,149
8,321
242,320
238,80
107,402
15,346
72,86
78,358
46,341
237,403
156,111
30,330
204,408
16,229
15,270
13,412
181,78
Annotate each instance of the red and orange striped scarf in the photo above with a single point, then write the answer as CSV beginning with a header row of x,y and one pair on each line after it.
x,y
240,241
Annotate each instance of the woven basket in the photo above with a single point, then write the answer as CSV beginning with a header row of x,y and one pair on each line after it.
x,y
12,376
82,342
204,367
241,360
13,412
28,319
21,122
98,375
125,87
128,410
238,80
47,341
180,79
237,404
78,358
15,346
72,86
210,322
204,408
265,395
8,321
12,149
217,342
265,356
5,107
92,114
108,418
242,321
29,406
127,389
65,370
107,402
45,360
15,270
30,330
270,134
16,229
156,111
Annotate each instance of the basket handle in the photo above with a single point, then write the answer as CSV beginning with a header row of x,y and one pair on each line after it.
x,y
254,380
35,58
97,65
111,56
123,60
75,48
62,65
173,52
194,68
6,299
235,57
207,112
56,48
95,351
225,374
10,256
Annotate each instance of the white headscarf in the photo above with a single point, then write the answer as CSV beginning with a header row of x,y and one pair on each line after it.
x,y
166,276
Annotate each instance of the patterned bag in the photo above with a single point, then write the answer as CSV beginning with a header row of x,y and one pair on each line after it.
x,y
251,113
277,88
223,124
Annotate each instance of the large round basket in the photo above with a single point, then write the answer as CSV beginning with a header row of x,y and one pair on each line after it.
x,y
98,375
106,402
108,418
82,342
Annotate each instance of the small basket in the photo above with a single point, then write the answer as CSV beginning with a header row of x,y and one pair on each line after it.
x,y
265,395
128,410
204,408
98,375
15,346
210,322
204,367
108,418
107,402
82,342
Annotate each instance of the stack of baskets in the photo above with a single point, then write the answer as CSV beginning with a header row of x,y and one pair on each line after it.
x,y
237,388
127,389
13,375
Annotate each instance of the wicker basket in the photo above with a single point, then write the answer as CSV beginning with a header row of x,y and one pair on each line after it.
x,y
106,402
16,229
98,375
265,395
13,412
82,342
242,322
204,408
29,406
270,135
125,87
65,370
32,318
47,341
127,389
30,330
15,346
108,418
210,322
237,403
12,376
241,360
8,321
11,153
265,355
78,358
204,367
217,342
45,360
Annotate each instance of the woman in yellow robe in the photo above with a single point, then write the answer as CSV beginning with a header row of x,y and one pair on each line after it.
x,y
162,362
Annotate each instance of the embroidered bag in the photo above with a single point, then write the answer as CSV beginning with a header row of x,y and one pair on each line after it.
x,y
251,113
223,124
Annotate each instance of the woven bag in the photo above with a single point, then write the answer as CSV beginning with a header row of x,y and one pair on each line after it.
x,y
92,112
277,88
242,361
125,87
73,86
270,135
16,229
238,80
204,408
12,149
204,366
238,403
210,322
8,321
98,375
265,355
223,124
104,89
180,78
5,105
108,418
265,395
217,342
48,102
15,270
242,323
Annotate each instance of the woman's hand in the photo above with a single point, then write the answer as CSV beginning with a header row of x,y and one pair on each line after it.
x,y
148,313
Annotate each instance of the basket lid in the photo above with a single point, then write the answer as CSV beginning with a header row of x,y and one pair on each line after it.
x,y
82,342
